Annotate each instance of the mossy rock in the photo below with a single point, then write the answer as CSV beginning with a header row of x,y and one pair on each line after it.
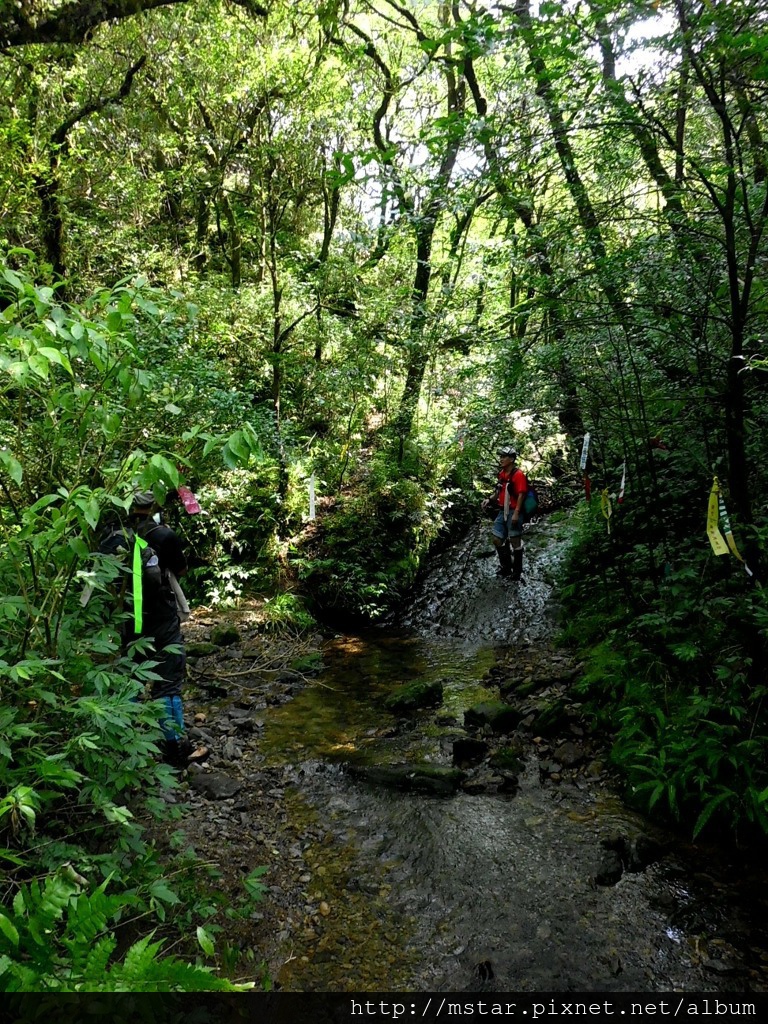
x,y
437,779
200,648
499,717
224,635
552,718
414,696
518,688
506,759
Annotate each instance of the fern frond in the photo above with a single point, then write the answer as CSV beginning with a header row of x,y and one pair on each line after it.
x,y
95,967
45,907
133,973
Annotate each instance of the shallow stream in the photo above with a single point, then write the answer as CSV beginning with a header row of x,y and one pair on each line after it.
x,y
496,892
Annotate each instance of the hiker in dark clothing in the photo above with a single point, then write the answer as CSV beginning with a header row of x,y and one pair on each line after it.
x,y
509,498
162,625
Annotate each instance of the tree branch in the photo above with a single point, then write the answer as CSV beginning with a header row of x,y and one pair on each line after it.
x,y
74,21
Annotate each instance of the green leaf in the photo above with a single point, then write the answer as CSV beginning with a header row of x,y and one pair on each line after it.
x,y
160,890
12,466
253,884
53,355
169,472
205,940
709,808
8,929
39,365
13,279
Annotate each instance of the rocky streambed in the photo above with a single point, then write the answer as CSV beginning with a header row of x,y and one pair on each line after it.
x,y
434,814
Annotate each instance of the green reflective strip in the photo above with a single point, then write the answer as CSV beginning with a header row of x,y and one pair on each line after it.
x,y
138,597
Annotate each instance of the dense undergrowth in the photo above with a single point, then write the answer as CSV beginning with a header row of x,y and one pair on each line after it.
x,y
85,416
674,653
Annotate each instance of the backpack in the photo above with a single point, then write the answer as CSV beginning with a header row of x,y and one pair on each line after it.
x,y
139,562
531,502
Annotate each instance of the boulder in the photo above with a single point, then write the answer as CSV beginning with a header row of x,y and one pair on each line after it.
x,y
225,634
439,780
499,717
200,648
569,754
414,696
643,851
611,868
215,785
553,718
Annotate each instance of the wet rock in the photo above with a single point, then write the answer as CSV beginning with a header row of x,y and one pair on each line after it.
x,y
553,718
215,785
507,759
621,853
212,690
611,868
198,734
636,854
642,852
421,694
224,635
513,686
423,778
569,754
230,750
478,784
200,648
468,751
446,721
244,721
719,967
509,783
499,717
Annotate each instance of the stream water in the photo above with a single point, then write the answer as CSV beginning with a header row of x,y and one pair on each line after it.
x,y
487,891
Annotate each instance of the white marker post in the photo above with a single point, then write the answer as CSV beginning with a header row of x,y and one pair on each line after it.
x,y
312,497
584,453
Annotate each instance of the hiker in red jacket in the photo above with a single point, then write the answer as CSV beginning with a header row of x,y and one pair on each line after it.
x,y
511,490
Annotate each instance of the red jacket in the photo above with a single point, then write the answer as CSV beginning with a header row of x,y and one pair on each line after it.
x,y
516,481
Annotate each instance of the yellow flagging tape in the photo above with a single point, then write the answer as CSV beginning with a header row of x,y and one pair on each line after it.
x,y
717,514
138,596
605,505
729,538
716,538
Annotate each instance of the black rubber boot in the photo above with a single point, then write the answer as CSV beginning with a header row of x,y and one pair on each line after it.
x,y
505,559
517,565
